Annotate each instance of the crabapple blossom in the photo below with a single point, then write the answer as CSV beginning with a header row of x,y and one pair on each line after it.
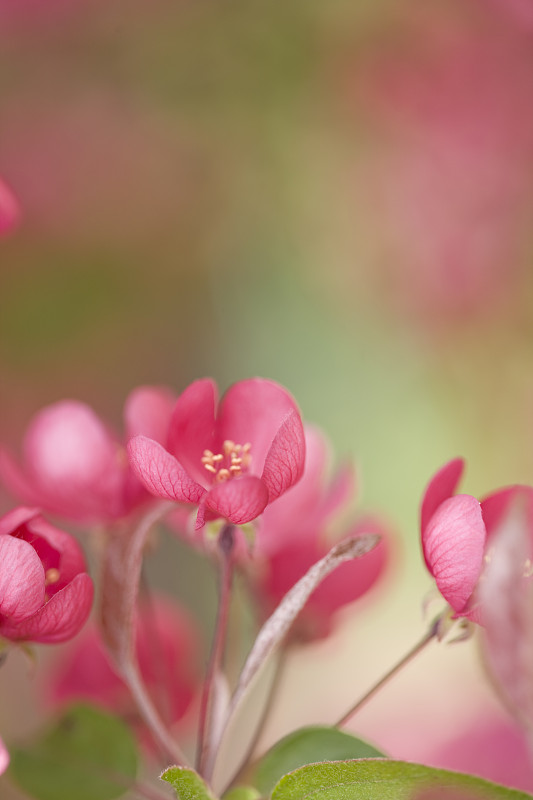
x,y
45,591
230,459
9,209
167,651
294,535
457,535
76,467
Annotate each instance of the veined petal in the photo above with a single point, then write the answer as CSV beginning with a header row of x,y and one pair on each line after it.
x,y
22,589
59,619
192,427
239,500
148,411
284,463
253,411
453,544
161,473
442,486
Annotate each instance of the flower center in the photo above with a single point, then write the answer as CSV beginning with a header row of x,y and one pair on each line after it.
x,y
51,576
232,462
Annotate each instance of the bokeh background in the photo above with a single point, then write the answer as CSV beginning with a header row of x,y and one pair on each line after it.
x,y
334,195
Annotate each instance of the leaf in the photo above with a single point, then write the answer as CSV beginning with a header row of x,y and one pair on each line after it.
x,y
378,779
242,793
88,755
187,783
307,746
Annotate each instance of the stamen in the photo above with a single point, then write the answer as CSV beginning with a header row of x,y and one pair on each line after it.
x,y
210,468
51,576
223,475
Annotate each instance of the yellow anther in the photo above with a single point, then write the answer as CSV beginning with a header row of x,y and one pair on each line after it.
x,y
223,475
210,468
217,458
228,446
51,575
235,469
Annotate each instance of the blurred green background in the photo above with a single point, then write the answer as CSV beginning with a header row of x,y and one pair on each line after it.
x,y
334,195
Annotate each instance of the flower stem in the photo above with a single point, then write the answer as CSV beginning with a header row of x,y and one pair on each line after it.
x,y
204,757
409,656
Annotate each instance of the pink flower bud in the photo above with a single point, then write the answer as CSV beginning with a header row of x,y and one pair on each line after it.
x,y
9,209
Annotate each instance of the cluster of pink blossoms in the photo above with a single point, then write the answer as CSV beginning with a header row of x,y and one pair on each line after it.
x,y
240,461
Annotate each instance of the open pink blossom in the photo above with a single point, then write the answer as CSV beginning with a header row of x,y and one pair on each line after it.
x,y
76,467
230,459
296,532
167,650
4,757
45,592
9,209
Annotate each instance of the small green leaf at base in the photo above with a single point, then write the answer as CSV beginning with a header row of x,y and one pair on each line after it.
x,y
307,746
187,783
88,754
378,779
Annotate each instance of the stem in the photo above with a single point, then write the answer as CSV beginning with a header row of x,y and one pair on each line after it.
x,y
409,656
204,758
150,715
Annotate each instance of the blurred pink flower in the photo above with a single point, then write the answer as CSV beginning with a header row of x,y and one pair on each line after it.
x,y
231,459
294,535
4,757
45,592
167,650
76,467
492,748
9,209
453,188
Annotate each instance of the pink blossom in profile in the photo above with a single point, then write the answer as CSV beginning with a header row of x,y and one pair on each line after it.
x,y
168,653
295,532
458,537
9,209
4,757
45,591
75,466
453,196
230,459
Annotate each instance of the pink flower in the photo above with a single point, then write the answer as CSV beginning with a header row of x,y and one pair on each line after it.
x,y
167,650
294,535
231,459
76,467
45,592
9,209
456,530
4,757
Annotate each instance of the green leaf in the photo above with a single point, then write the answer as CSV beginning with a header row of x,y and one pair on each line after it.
x,y
88,754
307,746
241,793
378,779
187,783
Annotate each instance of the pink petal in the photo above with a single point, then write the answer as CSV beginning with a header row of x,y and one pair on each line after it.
x,y
497,505
340,491
192,428
22,589
59,619
4,757
71,558
442,485
9,209
15,518
148,411
284,464
253,411
161,473
74,462
239,500
453,544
